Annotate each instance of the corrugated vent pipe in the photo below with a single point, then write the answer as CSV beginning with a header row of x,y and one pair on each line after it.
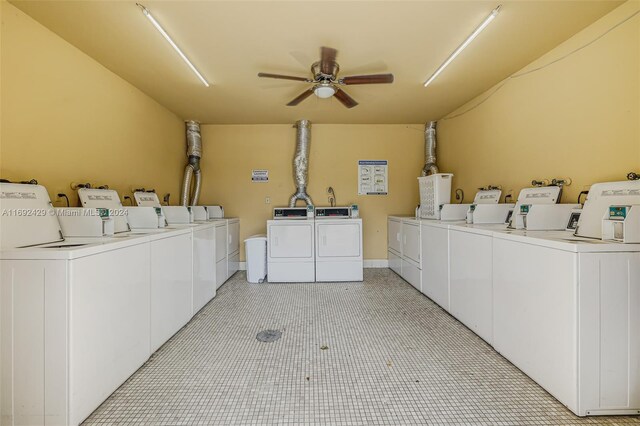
x,y
301,162
194,153
430,166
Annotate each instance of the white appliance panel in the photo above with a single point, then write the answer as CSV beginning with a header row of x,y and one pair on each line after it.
x,y
291,240
394,233
34,342
535,314
221,243
609,336
221,272
204,267
412,274
109,324
435,264
171,287
291,272
411,243
234,264
471,281
395,262
338,240
234,236
350,270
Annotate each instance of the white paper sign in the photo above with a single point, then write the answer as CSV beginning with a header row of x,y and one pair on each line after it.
x,y
373,177
259,175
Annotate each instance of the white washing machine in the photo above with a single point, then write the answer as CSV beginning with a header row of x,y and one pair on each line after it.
x,y
75,313
291,246
338,244
209,272
172,254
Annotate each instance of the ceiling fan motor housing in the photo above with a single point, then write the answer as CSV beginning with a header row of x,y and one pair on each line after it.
x,y
319,76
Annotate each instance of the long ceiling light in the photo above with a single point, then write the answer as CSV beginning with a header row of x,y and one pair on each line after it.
x,y
172,43
468,41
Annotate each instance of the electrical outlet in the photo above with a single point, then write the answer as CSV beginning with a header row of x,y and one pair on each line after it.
x,y
267,200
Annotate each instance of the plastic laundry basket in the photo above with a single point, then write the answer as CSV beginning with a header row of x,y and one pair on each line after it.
x,y
256,252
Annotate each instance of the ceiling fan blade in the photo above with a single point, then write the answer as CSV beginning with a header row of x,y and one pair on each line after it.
x,y
327,59
304,95
283,77
345,99
368,79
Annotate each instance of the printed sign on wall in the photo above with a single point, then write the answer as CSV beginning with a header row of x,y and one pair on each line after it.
x,y
259,175
373,177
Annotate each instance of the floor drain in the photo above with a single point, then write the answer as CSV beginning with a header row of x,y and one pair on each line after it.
x,y
268,335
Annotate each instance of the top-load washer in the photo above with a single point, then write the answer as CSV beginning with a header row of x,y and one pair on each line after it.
x,y
209,245
172,260
338,244
291,245
75,312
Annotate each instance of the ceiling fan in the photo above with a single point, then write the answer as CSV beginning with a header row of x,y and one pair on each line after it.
x,y
326,82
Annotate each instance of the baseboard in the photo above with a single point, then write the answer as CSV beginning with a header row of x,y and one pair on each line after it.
x,y
376,263
367,263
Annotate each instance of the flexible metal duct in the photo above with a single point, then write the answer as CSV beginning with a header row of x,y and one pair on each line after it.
x,y
192,169
301,162
430,166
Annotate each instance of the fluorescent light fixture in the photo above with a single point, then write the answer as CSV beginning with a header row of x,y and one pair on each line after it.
x,y
468,41
172,43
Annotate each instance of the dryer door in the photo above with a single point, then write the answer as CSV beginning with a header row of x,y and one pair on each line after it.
x,y
291,240
338,239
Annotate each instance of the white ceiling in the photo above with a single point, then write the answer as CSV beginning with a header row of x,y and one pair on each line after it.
x,y
231,41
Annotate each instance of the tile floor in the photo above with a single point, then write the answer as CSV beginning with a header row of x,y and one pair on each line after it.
x,y
371,353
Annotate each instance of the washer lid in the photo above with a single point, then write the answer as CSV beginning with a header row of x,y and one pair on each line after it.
x,y
27,217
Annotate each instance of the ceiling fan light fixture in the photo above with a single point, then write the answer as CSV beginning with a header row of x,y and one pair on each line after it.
x,y
324,91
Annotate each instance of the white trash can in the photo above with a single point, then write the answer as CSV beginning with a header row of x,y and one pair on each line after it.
x,y
255,248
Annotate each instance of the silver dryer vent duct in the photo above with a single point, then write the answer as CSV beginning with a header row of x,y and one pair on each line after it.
x,y
194,153
301,162
430,166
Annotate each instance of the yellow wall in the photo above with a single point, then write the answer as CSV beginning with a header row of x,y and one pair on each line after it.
x,y
578,118
232,151
67,118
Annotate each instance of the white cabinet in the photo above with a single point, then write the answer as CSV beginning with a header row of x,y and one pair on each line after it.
x,y
471,280
404,249
435,263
